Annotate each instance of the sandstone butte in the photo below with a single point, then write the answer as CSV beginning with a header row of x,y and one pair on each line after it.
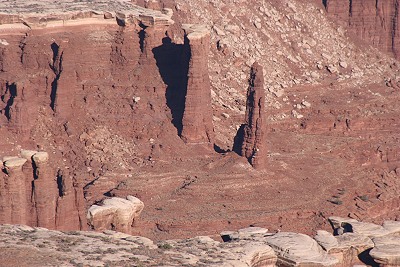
x,y
174,119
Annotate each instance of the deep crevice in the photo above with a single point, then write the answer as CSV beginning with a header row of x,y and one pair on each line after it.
x,y
394,27
57,69
350,8
325,3
11,89
238,140
60,183
142,35
173,63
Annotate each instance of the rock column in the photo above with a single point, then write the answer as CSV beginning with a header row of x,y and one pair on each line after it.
x,y
154,30
254,128
197,127
67,217
45,191
16,211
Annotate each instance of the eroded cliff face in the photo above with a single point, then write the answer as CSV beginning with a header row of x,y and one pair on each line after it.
x,y
374,21
34,193
80,86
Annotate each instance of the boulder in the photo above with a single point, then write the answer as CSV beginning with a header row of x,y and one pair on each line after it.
x,y
115,213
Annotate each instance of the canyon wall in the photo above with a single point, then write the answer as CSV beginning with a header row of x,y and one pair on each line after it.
x,y
32,192
374,21
67,79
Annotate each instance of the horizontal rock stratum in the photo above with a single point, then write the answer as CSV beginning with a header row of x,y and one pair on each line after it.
x,y
63,13
251,247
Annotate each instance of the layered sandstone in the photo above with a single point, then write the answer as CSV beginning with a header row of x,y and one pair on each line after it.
x,y
58,60
33,193
14,206
253,130
252,246
197,126
376,22
386,251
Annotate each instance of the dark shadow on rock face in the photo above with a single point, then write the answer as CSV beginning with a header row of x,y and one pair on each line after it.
x,y
12,91
173,63
367,259
219,150
238,140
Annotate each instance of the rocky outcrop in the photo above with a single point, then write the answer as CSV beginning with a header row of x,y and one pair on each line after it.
x,y
362,236
197,126
248,247
297,250
115,213
250,140
346,248
386,251
32,192
49,76
375,22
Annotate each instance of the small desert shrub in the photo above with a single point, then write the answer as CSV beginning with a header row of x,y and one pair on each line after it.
x,y
336,201
165,246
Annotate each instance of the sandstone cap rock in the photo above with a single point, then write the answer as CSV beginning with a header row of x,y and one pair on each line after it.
x,y
5,158
14,163
28,154
195,31
40,157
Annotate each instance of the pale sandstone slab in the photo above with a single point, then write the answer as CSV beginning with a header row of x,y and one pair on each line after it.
x,y
28,154
14,163
5,158
392,226
298,249
386,250
40,157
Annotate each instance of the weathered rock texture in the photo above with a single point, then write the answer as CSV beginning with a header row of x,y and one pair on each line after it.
x,y
52,64
118,249
247,247
254,128
33,193
197,126
115,213
376,22
386,251
361,236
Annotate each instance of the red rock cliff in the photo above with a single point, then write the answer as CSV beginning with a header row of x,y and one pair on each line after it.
x,y
57,79
374,21
32,193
